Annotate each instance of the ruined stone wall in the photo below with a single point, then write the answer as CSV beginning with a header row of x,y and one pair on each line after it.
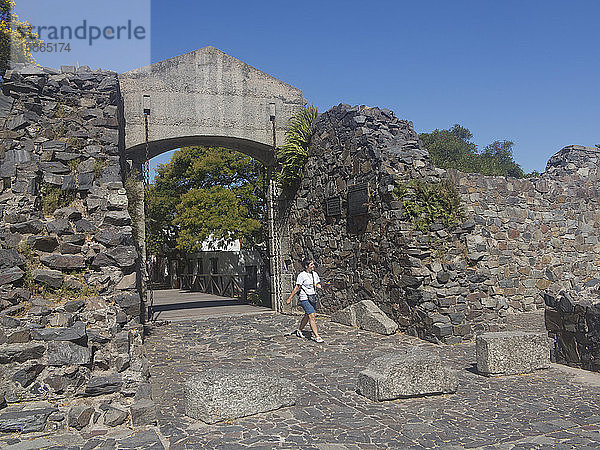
x,y
518,239
70,330
539,234
573,322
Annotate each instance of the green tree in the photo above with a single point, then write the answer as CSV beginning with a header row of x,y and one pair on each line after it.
x,y
205,191
453,149
15,37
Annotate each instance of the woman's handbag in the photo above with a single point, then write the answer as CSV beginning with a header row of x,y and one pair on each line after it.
x,y
313,299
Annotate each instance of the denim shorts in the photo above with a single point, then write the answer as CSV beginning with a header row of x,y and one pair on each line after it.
x,y
307,306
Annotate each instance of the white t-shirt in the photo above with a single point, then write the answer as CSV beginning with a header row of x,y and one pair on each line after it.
x,y
305,281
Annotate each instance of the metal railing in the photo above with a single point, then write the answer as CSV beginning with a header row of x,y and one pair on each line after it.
x,y
222,284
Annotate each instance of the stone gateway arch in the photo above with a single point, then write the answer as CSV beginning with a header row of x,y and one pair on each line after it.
x,y
207,97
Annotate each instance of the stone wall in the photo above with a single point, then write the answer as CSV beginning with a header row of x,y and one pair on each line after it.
x,y
70,328
573,322
520,238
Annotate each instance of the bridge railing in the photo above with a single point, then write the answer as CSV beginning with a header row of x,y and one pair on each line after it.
x,y
222,284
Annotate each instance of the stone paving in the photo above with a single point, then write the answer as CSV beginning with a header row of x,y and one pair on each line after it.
x,y
555,408
548,409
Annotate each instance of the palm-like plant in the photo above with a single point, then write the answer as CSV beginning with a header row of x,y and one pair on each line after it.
x,y
293,154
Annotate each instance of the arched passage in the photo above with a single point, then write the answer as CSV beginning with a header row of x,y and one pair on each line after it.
x,y
207,97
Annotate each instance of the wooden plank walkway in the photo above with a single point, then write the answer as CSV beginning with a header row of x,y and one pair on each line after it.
x,y
177,305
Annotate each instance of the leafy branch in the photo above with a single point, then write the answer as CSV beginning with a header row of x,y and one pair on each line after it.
x,y
292,156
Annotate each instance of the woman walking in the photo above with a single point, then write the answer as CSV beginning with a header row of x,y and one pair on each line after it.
x,y
307,283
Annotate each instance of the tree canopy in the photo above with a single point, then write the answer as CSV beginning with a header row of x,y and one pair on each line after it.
x,y
454,149
205,192
15,37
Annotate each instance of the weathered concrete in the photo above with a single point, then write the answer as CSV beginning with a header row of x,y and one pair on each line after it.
x,y
414,373
220,394
206,97
512,352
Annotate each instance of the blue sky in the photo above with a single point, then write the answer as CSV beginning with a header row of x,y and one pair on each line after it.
x,y
525,70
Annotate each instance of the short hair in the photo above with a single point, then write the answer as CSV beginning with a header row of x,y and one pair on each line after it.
x,y
306,262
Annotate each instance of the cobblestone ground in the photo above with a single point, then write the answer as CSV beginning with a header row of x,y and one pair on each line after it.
x,y
555,408
548,409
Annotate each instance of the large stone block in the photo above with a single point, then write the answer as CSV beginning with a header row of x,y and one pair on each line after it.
x,y
401,375
511,352
221,394
366,316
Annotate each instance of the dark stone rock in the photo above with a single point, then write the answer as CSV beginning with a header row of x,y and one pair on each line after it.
x,y
74,306
63,262
62,353
66,156
119,218
84,226
147,439
124,256
77,239
102,260
70,249
79,416
28,374
18,336
67,213
44,243
6,104
60,227
104,385
95,336
122,342
143,413
69,183
57,146
111,237
51,278
75,333
10,258
17,122
25,418
10,353
130,302
85,181
55,167
113,417
9,322
29,227
10,275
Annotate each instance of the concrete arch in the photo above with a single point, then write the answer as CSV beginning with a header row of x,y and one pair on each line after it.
x,y
207,97
257,150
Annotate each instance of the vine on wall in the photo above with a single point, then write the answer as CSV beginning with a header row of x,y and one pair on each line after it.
x,y
426,204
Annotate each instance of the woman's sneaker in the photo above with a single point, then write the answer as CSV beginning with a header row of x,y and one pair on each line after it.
x,y
299,334
318,339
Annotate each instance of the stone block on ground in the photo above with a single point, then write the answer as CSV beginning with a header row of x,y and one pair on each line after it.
x,y
415,373
367,316
219,394
511,352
